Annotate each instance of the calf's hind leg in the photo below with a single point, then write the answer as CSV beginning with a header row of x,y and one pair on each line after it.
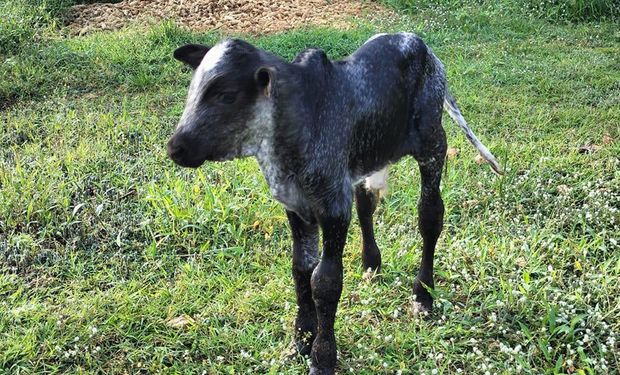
x,y
366,202
430,224
430,157
305,258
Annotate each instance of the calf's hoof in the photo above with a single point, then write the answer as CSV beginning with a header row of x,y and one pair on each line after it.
x,y
419,309
372,268
423,301
371,259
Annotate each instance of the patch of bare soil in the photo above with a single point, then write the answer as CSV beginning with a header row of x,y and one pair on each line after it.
x,y
240,16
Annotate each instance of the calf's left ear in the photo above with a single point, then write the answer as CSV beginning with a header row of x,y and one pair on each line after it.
x,y
264,77
191,54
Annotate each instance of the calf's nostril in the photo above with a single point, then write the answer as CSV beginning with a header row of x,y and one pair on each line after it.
x,y
175,150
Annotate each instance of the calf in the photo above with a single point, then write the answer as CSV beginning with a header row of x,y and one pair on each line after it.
x,y
323,132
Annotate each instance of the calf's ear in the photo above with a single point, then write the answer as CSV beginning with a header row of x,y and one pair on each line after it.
x,y
264,77
191,54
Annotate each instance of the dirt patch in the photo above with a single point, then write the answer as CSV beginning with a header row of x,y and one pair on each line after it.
x,y
237,16
7,101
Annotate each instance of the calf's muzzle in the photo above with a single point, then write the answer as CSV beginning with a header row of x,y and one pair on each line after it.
x,y
179,150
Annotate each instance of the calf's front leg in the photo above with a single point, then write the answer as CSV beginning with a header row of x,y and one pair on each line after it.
x,y
326,289
305,258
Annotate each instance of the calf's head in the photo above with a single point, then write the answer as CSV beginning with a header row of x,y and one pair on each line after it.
x,y
228,105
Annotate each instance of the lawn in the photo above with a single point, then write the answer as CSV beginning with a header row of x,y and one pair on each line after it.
x,y
114,260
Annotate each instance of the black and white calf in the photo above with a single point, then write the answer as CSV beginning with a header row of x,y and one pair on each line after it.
x,y
323,132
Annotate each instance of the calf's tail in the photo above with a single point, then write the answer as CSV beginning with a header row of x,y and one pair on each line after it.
x,y
449,104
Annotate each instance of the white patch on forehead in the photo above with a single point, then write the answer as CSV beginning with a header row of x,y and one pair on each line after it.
x,y
305,55
212,58
203,72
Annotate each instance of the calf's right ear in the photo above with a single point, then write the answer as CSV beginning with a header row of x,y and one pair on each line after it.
x,y
264,79
191,54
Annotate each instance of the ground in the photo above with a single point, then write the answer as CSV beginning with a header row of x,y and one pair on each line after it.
x,y
245,16
114,260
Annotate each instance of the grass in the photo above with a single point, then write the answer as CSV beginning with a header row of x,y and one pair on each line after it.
x,y
103,241
550,10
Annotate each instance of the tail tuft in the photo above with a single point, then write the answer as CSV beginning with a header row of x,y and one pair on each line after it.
x,y
453,110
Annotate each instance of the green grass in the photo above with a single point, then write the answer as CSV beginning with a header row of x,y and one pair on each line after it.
x,y
103,240
551,10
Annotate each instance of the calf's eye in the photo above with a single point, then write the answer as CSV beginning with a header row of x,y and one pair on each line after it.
x,y
227,97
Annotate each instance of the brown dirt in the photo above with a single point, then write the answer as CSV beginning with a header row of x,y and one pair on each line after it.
x,y
236,16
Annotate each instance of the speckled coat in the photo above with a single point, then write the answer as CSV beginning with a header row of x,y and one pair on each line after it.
x,y
324,132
